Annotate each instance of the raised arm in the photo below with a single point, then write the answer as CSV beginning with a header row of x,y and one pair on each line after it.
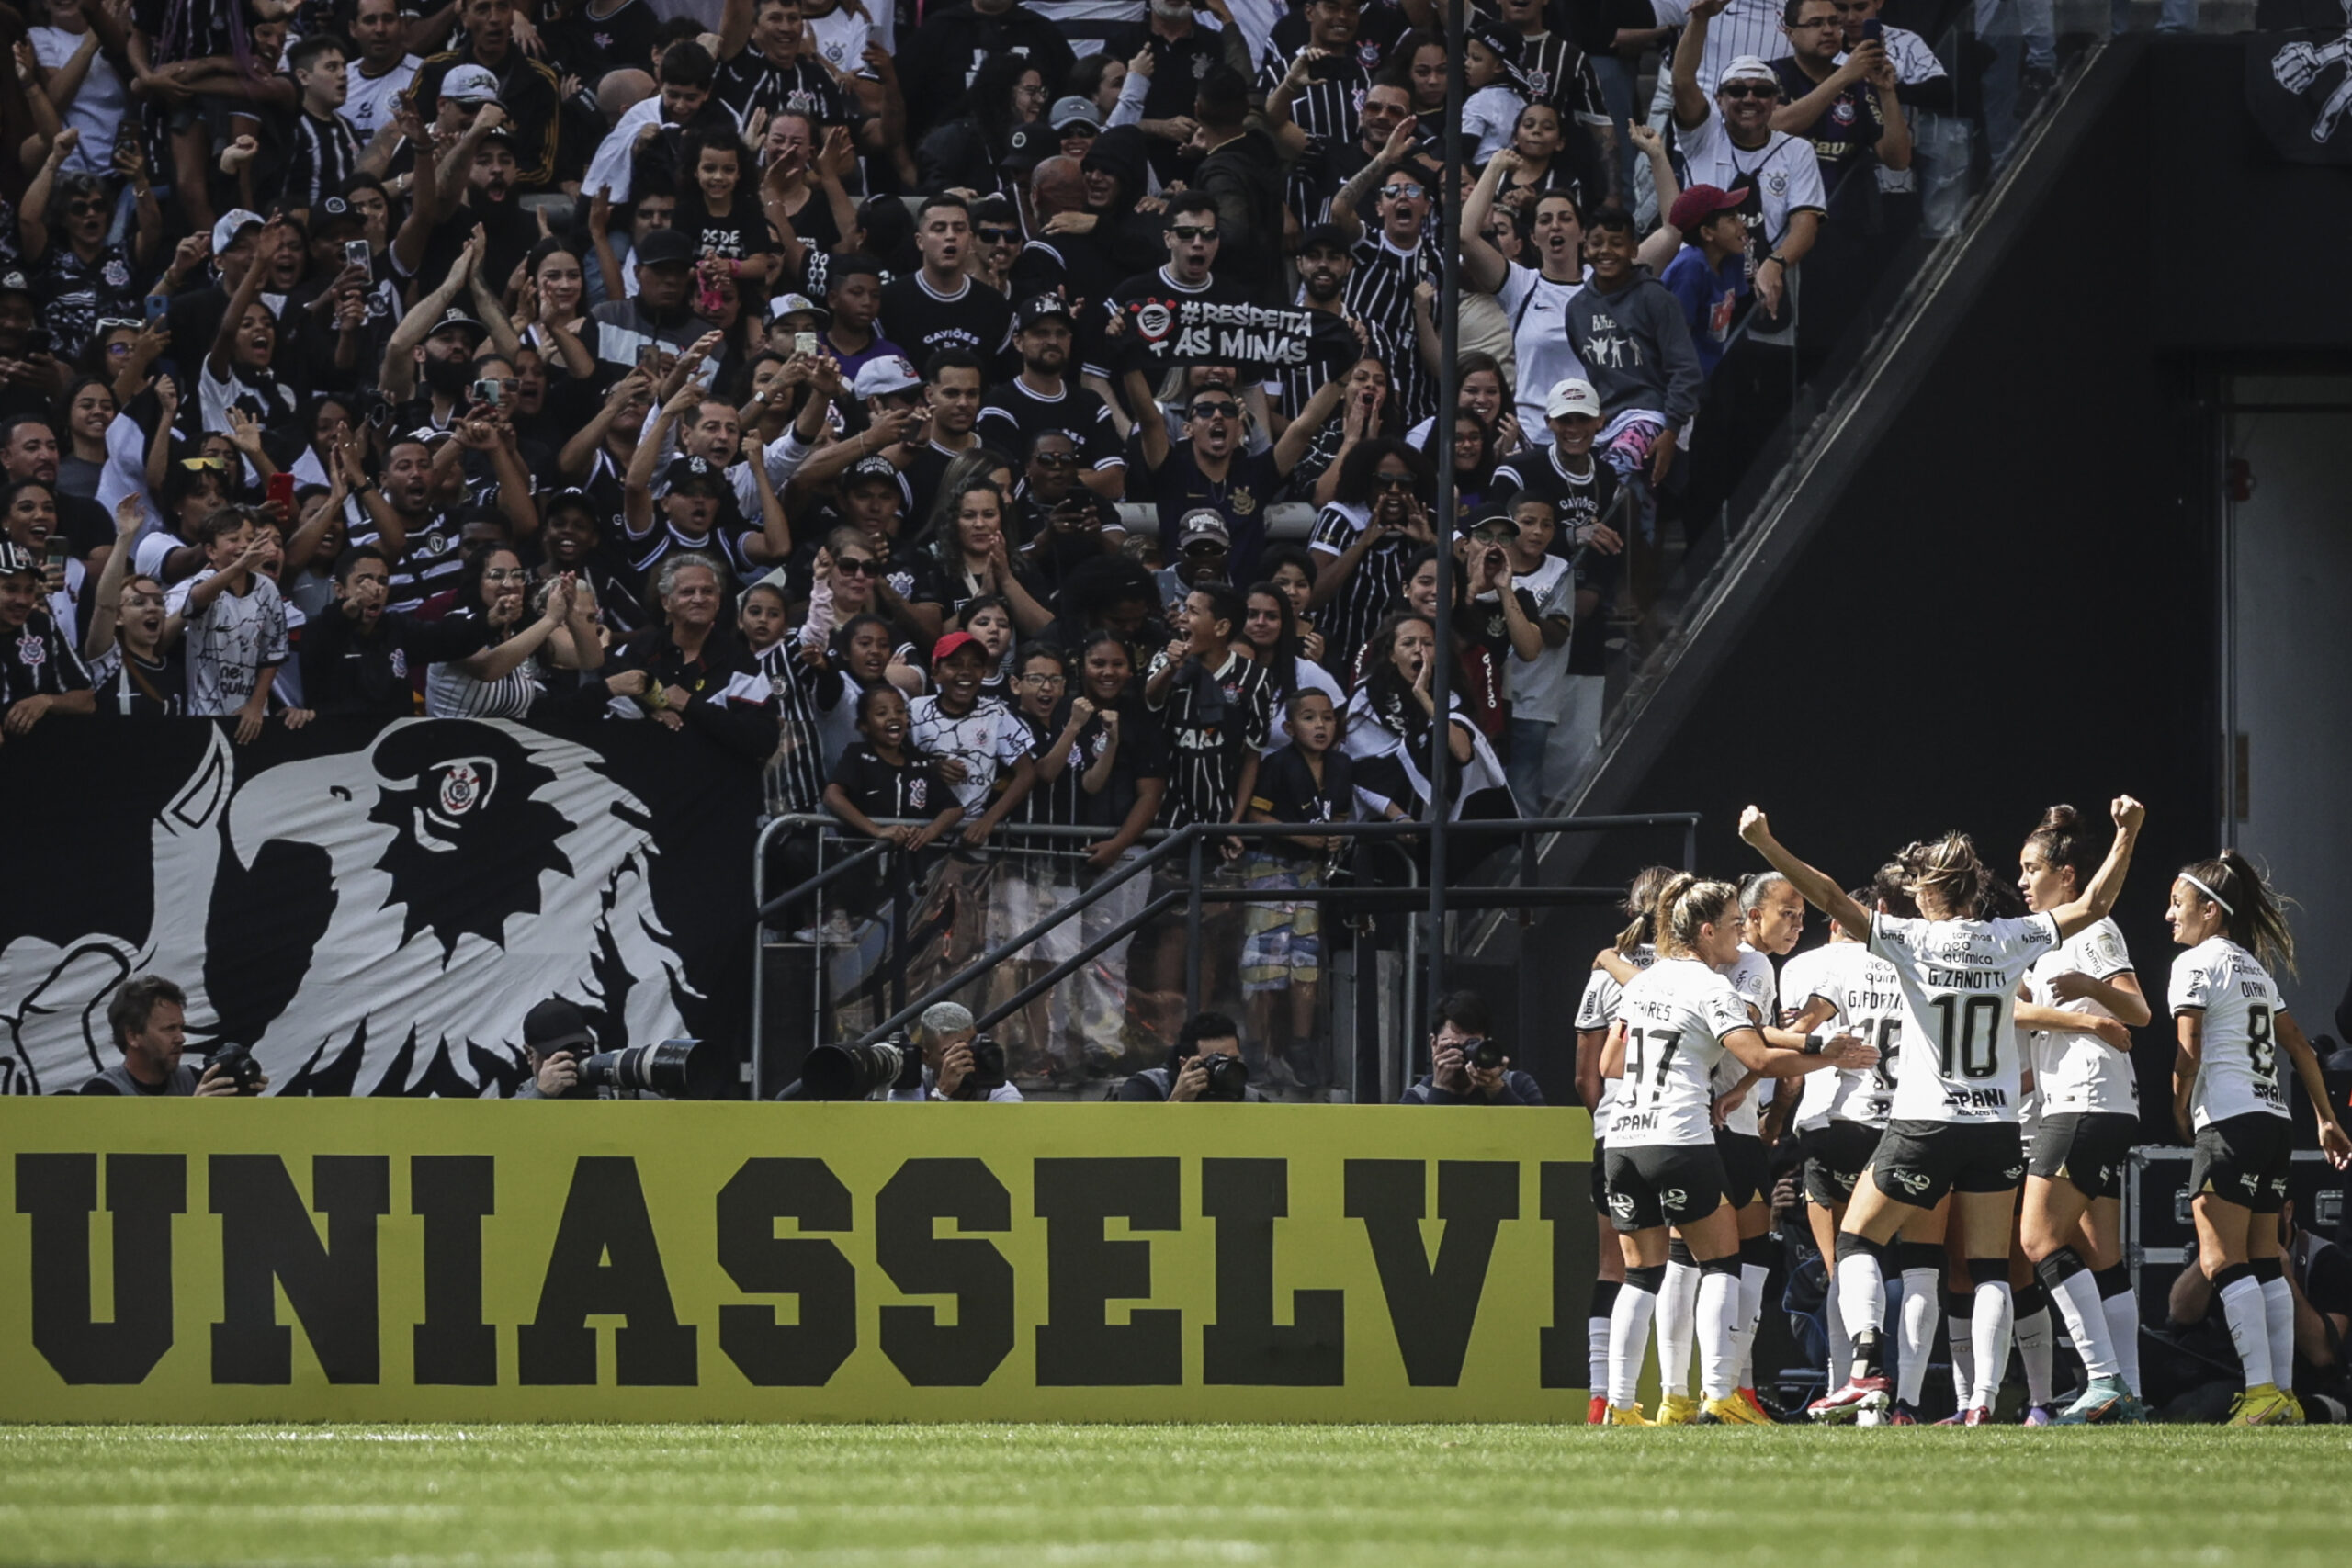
x,y
1483,266
1819,891
2098,898
1691,106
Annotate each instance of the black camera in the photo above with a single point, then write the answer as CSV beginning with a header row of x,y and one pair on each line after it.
x,y
674,1070
237,1064
988,1066
853,1072
1229,1077
1485,1054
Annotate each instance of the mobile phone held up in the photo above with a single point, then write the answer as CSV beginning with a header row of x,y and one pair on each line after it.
x,y
281,491
158,306
1874,32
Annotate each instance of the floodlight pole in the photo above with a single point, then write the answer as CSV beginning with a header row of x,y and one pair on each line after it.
x,y
1449,392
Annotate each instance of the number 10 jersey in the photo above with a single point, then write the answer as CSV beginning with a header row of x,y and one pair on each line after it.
x,y
1961,1061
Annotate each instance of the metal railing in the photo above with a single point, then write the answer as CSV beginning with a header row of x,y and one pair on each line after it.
x,y
1189,847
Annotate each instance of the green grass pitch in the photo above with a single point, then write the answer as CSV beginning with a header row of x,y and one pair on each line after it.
x,y
1040,1495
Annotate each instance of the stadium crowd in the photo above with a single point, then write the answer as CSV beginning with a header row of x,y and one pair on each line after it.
x,y
726,363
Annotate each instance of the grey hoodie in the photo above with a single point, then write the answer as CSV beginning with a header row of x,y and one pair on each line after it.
x,y
1636,350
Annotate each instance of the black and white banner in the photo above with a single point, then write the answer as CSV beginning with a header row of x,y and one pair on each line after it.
x,y
1253,339
372,909
2298,85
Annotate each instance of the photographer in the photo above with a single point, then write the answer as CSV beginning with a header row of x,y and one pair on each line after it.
x,y
149,1019
959,1062
1206,1065
556,1040
1466,1063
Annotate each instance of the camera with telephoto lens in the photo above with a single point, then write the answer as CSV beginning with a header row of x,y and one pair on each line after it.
x,y
1229,1077
674,1070
854,1072
1485,1054
237,1064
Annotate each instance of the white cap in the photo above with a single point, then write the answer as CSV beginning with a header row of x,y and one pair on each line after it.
x,y
880,378
231,223
1748,68
1574,395
471,84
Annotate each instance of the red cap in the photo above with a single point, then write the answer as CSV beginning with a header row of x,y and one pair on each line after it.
x,y
1698,204
950,643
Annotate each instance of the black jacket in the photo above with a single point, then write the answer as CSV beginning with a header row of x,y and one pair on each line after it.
x,y
346,671
1244,177
937,62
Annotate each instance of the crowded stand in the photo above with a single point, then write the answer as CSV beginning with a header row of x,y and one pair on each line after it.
x,y
1016,431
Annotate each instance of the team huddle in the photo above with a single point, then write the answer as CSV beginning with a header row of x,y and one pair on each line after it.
x,y
1959,1040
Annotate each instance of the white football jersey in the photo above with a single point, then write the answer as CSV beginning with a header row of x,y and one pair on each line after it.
x,y
1598,1011
1960,980
1677,1013
1862,987
2074,1071
2239,1065
1751,975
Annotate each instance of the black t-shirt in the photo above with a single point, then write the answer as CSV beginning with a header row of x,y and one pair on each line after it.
x,y
74,293
750,80
1847,132
128,686
1577,502
884,790
588,46
1013,417
1142,754
741,234
922,321
35,660
1252,482
1288,792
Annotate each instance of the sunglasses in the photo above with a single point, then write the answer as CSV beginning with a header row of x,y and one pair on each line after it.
x,y
1056,459
998,236
1393,192
80,208
1392,481
850,566
108,323
1216,411
1748,90
1190,232
1077,128
1202,549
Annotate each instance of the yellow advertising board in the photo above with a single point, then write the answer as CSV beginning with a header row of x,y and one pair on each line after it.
x,y
454,1260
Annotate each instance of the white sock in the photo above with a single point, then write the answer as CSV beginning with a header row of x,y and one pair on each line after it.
x,y
2037,1342
1841,1344
1861,1293
1922,1308
1961,1331
1718,1335
1991,1323
2278,1307
2243,1304
1750,1312
1677,1319
2122,1312
1629,1342
2076,1299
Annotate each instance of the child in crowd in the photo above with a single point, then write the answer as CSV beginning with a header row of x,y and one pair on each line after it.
x,y
236,624
1307,783
1538,686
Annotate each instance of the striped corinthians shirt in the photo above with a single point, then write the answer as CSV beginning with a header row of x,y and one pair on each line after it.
x,y
1561,75
1206,751
1744,27
1380,293
1328,110
794,776
324,154
1350,614
1301,382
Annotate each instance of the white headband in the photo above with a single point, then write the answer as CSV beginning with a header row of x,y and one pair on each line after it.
x,y
2208,893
